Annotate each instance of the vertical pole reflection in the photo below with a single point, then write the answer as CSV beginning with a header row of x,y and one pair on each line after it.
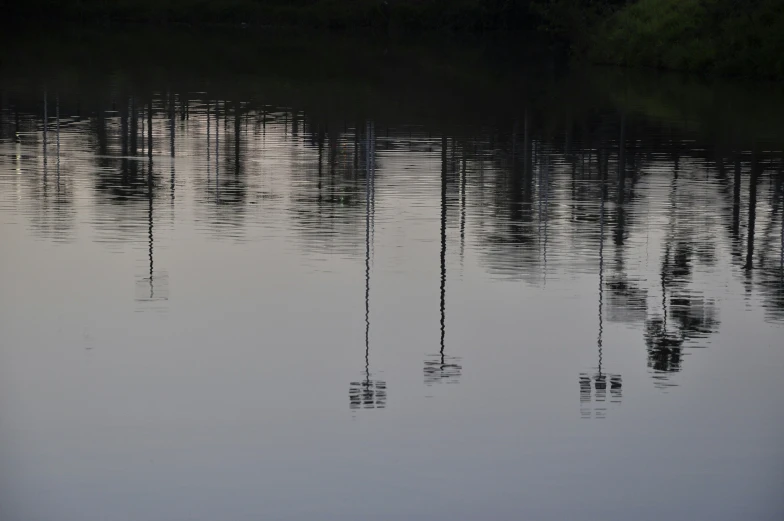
x,y
369,393
217,152
736,199
172,117
149,196
462,207
209,164
599,380
46,131
57,131
752,211
237,121
440,369
442,305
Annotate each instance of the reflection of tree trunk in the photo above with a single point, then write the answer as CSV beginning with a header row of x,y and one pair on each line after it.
x,y
527,160
237,120
752,211
462,207
124,140
133,121
622,161
320,162
736,200
780,191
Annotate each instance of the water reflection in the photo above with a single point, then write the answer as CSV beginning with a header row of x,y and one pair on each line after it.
x,y
153,287
531,197
598,380
368,393
440,367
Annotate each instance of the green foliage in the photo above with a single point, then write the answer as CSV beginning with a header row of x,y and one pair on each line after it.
x,y
725,36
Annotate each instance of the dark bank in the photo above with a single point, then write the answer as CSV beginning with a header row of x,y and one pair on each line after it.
x,y
727,37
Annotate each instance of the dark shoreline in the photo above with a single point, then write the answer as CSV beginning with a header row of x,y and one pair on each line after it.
x,y
711,37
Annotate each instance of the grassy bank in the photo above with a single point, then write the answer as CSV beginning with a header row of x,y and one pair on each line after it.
x,y
739,37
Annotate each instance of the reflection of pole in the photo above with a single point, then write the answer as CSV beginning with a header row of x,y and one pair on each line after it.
x,y
149,194
217,152
368,393
546,211
237,120
736,200
622,160
46,130
171,141
442,305
599,376
57,117
369,195
438,369
462,207
752,211
209,165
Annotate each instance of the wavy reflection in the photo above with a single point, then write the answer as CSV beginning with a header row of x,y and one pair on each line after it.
x,y
674,217
441,368
369,393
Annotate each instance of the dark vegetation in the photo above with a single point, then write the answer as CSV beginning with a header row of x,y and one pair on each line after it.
x,y
739,37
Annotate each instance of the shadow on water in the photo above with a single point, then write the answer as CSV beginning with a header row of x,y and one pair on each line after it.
x,y
527,169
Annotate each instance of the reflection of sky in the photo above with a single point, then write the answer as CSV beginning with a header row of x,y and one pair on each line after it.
x,y
232,403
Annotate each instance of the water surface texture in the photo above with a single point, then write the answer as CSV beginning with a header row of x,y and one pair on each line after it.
x,y
387,284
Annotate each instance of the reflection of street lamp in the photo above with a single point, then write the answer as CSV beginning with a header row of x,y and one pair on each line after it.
x,y
437,369
368,394
599,379
153,287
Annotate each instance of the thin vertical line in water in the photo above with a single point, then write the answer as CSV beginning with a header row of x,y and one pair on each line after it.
x,y
539,200
601,270
546,210
209,166
172,116
442,304
217,152
57,117
372,190
46,125
150,196
462,209
752,211
368,205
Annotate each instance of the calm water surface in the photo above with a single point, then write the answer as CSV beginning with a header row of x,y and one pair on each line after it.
x,y
368,291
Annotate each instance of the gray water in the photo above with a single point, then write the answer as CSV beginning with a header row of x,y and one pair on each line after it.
x,y
308,296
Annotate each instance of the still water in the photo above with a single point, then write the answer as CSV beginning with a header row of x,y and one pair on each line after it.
x,y
400,287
